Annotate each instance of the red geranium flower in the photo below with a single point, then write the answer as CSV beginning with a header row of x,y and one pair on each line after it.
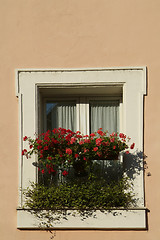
x,y
132,146
100,132
46,148
39,147
78,136
98,141
92,134
25,138
85,136
24,151
64,173
73,139
69,151
95,149
121,135
81,142
112,139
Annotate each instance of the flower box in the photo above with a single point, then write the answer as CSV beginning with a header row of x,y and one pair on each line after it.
x,y
64,148
78,172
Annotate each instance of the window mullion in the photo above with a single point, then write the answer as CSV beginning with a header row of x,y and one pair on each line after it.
x,y
83,115
78,114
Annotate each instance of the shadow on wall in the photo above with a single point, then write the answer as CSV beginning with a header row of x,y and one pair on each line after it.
x,y
133,164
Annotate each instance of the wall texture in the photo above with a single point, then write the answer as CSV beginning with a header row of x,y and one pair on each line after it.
x,y
76,34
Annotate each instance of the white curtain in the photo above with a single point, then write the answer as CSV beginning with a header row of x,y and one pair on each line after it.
x,y
105,115
61,114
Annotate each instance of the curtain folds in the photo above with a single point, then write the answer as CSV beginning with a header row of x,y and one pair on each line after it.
x,y
105,115
61,114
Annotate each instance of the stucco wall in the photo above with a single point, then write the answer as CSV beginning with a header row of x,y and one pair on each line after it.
x,y
76,34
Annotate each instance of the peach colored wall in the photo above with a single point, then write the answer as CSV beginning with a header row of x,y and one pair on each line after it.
x,y
75,34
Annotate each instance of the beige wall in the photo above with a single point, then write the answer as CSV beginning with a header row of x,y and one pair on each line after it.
x,y
74,34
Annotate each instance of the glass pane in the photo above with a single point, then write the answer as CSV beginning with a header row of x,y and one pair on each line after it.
x,y
61,114
104,114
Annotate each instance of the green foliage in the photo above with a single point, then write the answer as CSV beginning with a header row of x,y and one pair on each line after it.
x,y
85,195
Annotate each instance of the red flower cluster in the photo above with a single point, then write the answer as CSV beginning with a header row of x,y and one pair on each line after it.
x,y
50,168
69,151
24,152
64,173
61,147
25,138
98,141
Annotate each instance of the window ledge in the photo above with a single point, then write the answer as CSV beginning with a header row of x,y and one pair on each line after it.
x,y
132,218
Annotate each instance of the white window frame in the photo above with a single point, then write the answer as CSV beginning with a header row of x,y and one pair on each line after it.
x,y
133,82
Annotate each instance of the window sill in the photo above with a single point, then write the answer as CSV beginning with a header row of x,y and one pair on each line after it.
x,y
133,218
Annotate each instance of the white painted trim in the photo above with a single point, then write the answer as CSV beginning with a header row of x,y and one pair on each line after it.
x,y
17,71
133,80
20,199
80,69
112,219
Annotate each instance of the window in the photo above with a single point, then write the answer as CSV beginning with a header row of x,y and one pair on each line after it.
x,y
83,99
94,113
